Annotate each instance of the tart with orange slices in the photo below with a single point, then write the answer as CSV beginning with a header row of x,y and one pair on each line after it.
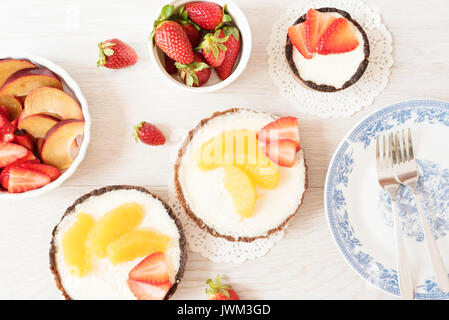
x,y
241,174
118,242
327,50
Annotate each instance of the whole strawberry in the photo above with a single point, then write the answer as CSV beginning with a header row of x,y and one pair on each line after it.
x,y
149,134
213,48
233,46
193,34
207,15
115,54
218,291
171,37
195,74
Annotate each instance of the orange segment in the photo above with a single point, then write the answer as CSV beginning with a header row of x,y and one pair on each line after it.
x,y
241,148
135,244
241,190
75,253
112,226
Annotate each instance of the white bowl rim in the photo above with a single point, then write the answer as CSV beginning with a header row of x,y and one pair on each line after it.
x,y
244,58
71,83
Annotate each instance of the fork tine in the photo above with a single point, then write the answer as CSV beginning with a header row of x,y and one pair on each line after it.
x,y
404,147
410,145
398,148
391,153
378,164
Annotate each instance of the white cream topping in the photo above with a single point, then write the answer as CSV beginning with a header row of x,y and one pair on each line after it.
x,y
206,195
332,69
105,280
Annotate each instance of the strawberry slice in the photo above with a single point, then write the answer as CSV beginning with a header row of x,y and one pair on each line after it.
x,y
4,112
8,137
30,157
17,180
145,291
10,152
340,38
25,140
317,24
285,128
5,125
153,270
46,169
282,152
298,37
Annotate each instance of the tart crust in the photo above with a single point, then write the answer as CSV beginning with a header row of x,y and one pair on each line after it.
x,y
186,208
322,87
99,192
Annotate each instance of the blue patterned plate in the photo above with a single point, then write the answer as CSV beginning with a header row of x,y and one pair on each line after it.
x,y
359,211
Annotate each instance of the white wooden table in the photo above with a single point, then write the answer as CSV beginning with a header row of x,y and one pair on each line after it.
x,y
67,33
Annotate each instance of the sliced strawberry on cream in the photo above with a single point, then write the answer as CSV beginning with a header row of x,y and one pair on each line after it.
x,y
340,38
298,37
145,291
317,24
153,270
282,152
280,129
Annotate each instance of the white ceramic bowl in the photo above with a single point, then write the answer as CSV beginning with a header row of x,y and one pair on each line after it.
x,y
214,83
71,87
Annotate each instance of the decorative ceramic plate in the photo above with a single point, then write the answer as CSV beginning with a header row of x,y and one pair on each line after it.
x,y
359,211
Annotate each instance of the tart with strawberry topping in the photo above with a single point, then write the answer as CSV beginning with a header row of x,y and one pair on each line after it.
x,y
119,243
241,174
327,50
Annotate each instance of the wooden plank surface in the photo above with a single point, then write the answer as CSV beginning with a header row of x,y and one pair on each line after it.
x,y
67,33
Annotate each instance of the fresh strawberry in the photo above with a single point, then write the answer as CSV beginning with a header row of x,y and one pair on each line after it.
x,y
145,291
213,48
115,54
207,15
25,140
17,180
153,270
232,52
5,125
15,123
29,158
340,38
169,65
149,134
172,39
317,24
282,152
4,111
218,291
195,74
7,137
46,169
193,34
10,152
280,129
298,37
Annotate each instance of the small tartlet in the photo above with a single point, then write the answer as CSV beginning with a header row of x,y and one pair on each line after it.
x,y
53,254
289,54
181,191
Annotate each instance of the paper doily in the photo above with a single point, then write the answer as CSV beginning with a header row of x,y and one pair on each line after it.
x,y
341,103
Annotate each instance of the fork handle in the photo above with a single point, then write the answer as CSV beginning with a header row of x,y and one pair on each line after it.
x,y
405,277
435,257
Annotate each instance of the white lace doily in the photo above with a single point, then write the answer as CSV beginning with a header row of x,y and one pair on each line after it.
x,y
345,102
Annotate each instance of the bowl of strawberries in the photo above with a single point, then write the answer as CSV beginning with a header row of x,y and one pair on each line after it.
x,y
44,126
200,46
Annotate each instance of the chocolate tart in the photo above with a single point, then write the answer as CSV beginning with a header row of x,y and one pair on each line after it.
x,y
187,208
100,192
324,87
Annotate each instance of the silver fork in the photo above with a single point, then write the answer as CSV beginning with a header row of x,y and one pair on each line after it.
x,y
408,174
385,157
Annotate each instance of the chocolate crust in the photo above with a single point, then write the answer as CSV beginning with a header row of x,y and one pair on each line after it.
x,y
321,87
199,222
99,192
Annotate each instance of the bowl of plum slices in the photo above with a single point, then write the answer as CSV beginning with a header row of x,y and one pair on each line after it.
x,y
44,126
200,46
